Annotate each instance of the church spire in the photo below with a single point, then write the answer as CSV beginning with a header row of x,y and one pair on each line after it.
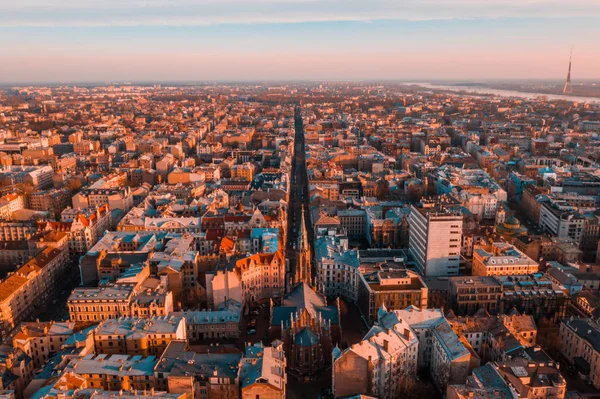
x,y
303,269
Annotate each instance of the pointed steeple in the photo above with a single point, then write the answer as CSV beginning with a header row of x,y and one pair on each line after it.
x,y
303,271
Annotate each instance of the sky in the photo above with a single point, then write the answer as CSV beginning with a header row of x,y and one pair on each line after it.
x,y
54,41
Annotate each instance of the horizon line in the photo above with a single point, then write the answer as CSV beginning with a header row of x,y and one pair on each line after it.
x,y
184,82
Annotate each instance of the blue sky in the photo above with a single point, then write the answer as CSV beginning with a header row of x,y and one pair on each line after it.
x,y
174,40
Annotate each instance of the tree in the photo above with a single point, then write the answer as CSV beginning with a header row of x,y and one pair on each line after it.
x,y
410,386
382,189
415,193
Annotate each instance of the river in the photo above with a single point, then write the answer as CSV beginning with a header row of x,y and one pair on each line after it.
x,y
505,93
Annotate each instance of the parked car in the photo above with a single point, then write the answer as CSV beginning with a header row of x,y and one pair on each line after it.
x,y
251,332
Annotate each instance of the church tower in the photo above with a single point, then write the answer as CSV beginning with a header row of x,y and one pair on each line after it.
x,y
303,268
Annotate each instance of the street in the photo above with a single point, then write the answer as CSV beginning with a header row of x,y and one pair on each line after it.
x,y
298,198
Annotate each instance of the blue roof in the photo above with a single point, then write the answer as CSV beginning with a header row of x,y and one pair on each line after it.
x,y
303,298
80,336
326,248
306,338
490,378
268,237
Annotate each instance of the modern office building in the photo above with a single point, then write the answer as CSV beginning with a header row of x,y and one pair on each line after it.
x,y
435,239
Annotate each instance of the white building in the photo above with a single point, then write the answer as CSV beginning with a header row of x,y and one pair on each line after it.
x,y
262,372
483,206
435,240
87,227
581,338
380,363
440,349
40,178
9,204
116,198
337,268
222,285
561,220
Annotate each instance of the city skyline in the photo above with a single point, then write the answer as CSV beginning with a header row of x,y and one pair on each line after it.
x,y
288,241
296,40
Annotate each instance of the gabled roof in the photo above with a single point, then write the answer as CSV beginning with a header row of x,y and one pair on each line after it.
x,y
325,219
303,298
227,244
306,338
245,263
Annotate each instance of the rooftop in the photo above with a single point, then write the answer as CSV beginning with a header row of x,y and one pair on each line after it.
x,y
134,326
115,292
116,365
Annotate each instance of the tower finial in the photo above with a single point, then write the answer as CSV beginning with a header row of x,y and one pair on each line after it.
x,y
303,272
568,86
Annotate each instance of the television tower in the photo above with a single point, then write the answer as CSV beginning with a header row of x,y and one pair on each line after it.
x,y
568,86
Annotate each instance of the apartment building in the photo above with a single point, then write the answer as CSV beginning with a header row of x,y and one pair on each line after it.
x,y
534,379
561,220
115,197
262,276
87,226
39,178
531,203
380,363
580,344
115,372
337,268
41,340
119,300
64,388
31,287
138,336
440,349
17,230
262,372
179,258
202,375
484,206
101,303
354,221
501,259
533,294
53,201
392,286
485,382
467,295
244,171
387,229
9,204
13,254
224,322
496,337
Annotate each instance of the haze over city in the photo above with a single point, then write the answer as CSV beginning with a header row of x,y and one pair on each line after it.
x,y
242,40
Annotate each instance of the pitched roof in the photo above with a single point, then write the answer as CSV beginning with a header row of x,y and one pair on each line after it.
x,y
304,298
306,338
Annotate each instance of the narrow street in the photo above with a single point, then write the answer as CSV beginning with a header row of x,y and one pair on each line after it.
x,y
298,198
